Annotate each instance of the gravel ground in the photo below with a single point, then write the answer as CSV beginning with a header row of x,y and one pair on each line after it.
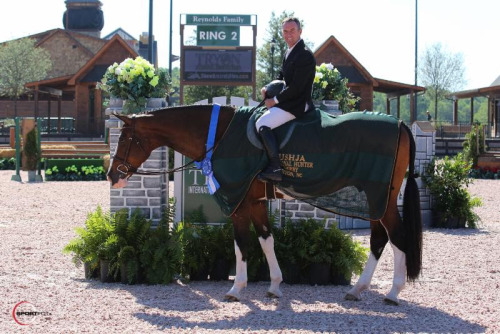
x,y
458,291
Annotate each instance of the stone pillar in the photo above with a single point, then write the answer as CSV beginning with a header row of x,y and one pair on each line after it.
x,y
425,140
148,193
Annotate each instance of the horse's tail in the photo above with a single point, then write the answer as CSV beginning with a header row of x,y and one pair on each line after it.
x,y
412,220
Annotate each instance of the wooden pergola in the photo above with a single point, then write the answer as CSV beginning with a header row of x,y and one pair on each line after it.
x,y
492,93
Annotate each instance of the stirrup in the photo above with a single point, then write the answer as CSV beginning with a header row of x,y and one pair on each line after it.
x,y
270,174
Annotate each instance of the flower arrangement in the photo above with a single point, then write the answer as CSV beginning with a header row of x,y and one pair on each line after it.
x,y
330,85
135,80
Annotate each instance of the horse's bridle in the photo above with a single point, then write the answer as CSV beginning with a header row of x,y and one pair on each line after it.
x,y
125,167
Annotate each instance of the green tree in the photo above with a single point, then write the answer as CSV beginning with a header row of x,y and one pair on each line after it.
x,y
441,72
21,62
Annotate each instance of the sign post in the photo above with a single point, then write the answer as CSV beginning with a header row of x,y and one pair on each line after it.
x,y
217,59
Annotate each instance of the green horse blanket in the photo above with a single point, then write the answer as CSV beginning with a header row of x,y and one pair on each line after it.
x,y
342,164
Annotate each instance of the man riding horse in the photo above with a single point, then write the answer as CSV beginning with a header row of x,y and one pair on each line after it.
x,y
298,70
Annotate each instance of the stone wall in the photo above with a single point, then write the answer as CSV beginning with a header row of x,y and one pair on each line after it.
x,y
425,140
148,193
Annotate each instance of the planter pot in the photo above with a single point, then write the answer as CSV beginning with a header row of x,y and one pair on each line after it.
x,y
199,275
319,273
450,222
291,274
89,272
123,273
339,279
105,276
331,107
455,222
32,176
220,271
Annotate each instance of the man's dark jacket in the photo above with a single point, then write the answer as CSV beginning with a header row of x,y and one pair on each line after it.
x,y
298,71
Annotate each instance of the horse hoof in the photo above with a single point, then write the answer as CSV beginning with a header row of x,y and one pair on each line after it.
x,y
277,294
351,297
389,301
229,298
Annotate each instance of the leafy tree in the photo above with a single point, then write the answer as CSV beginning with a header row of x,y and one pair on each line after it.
x,y
21,62
441,72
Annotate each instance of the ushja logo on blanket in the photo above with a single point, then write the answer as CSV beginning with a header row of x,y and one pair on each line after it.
x,y
292,164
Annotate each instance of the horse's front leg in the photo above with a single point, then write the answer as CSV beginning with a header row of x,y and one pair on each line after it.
x,y
241,225
263,229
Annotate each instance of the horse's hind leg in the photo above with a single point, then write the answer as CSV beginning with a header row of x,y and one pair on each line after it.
x,y
241,224
392,221
263,229
378,240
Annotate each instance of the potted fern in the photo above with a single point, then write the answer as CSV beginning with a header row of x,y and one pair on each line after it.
x,y
87,247
161,254
32,154
447,180
132,234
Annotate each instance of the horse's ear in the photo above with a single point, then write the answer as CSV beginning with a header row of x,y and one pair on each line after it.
x,y
121,117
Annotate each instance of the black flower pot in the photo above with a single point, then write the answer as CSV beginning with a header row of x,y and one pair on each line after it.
x,y
339,279
90,272
291,274
319,273
199,275
105,277
220,270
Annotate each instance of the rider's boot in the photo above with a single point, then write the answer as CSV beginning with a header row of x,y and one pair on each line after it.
x,y
273,170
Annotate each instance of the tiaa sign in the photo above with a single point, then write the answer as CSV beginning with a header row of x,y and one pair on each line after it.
x,y
218,36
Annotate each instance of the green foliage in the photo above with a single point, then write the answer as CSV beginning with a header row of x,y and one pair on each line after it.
x,y
161,254
132,234
309,242
474,144
195,247
135,80
72,173
94,240
32,150
330,85
7,163
447,180
79,162
441,72
21,62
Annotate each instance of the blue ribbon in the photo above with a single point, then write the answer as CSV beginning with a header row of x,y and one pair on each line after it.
x,y
206,164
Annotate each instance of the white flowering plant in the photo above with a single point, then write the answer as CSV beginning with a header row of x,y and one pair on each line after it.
x,y
330,85
135,80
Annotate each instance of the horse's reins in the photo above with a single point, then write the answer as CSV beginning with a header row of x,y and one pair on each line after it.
x,y
128,168
125,167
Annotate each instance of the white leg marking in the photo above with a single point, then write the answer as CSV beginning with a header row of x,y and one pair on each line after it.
x,y
274,268
399,275
240,280
364,281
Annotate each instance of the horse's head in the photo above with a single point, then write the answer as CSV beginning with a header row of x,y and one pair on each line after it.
x,y
132,150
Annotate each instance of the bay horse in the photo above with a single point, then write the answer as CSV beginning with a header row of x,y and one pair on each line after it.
x,y
185,130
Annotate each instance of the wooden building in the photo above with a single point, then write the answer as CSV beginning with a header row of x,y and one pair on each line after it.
x,y
492,93
361,82
79,59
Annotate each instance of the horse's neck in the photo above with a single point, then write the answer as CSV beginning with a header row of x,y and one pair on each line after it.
x,y
185,129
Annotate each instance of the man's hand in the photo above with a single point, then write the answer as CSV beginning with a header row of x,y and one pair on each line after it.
x,y
270,103
263,92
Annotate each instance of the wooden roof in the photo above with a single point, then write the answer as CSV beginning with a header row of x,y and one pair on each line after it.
x,y
332,51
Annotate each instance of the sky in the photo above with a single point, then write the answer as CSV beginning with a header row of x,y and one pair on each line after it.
x,y
380,34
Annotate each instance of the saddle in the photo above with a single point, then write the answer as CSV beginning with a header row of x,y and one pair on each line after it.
x,y
342,164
